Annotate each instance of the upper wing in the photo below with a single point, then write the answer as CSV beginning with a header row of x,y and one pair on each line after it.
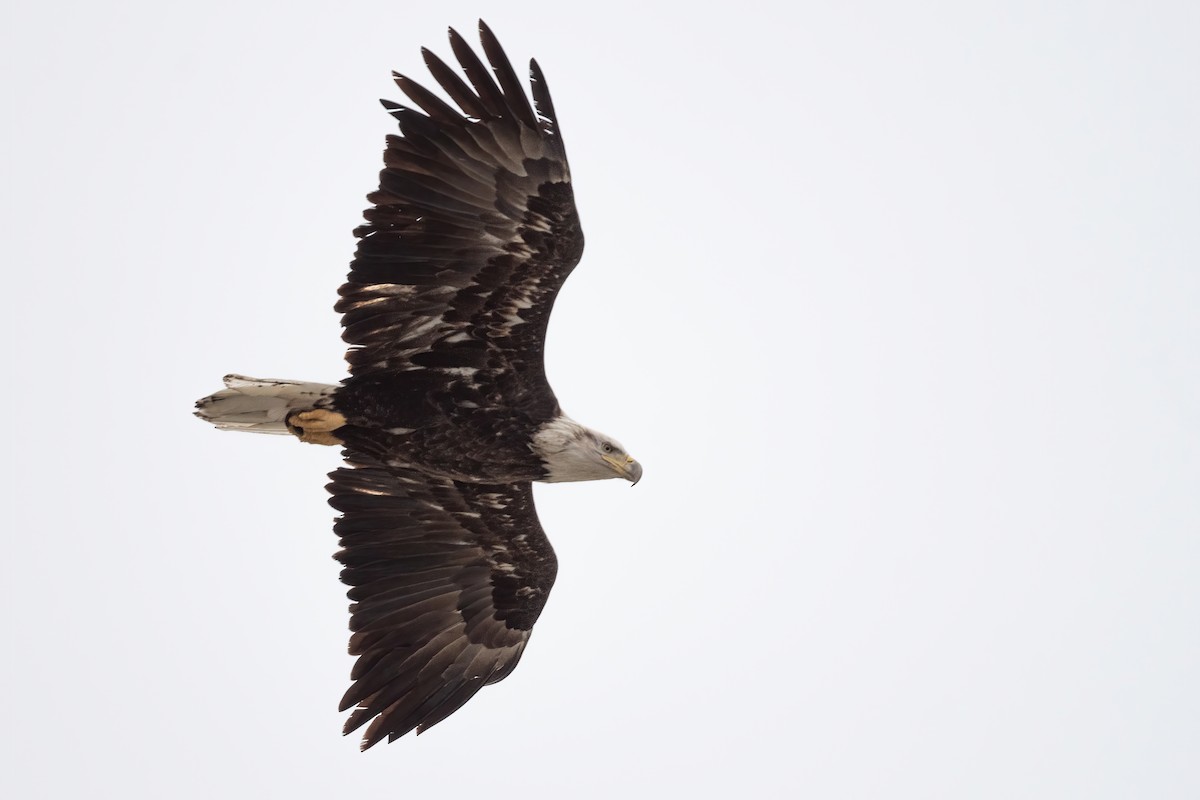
x,y
447,580
474,227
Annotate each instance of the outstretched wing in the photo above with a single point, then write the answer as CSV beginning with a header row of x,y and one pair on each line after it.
x,y
446,581
473,232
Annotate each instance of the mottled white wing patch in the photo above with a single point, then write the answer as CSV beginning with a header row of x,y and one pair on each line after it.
x,y
473,229
446,581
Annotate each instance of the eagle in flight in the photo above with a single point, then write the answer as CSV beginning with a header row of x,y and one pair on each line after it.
x,y
446,417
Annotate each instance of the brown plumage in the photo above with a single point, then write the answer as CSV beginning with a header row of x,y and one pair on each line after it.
x,y
447,415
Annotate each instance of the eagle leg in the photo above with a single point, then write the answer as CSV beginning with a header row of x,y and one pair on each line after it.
x,y
316,426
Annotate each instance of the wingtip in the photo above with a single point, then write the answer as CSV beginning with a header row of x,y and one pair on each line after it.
x,y
485,31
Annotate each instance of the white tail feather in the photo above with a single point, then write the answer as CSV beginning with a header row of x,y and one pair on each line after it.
x,y
260,405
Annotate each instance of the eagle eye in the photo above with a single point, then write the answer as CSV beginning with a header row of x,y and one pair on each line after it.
x,y
606,447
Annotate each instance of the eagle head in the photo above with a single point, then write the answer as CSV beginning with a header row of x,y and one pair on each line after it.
x,y
573,452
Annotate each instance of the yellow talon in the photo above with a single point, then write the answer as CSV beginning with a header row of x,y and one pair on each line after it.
x,y
316,426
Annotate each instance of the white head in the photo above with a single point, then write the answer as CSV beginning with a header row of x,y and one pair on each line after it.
x,y
572,452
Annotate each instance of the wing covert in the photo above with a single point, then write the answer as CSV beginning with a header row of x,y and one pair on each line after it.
x,y
446,581
473,228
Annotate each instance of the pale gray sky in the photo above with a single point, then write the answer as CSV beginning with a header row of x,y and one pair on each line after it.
x,y
897,304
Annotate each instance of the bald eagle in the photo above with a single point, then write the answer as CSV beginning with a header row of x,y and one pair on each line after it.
x,y
446,416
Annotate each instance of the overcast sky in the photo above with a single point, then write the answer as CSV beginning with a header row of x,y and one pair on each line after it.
x,y
896,303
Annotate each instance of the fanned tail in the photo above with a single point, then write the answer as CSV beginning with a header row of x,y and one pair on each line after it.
x,y
261,405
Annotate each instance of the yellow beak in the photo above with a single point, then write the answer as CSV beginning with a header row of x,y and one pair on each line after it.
x,y
628,469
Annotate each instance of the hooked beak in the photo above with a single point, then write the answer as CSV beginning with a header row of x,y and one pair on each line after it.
x,y
629,469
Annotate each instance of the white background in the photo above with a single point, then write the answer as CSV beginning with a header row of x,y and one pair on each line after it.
x,y
897,303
